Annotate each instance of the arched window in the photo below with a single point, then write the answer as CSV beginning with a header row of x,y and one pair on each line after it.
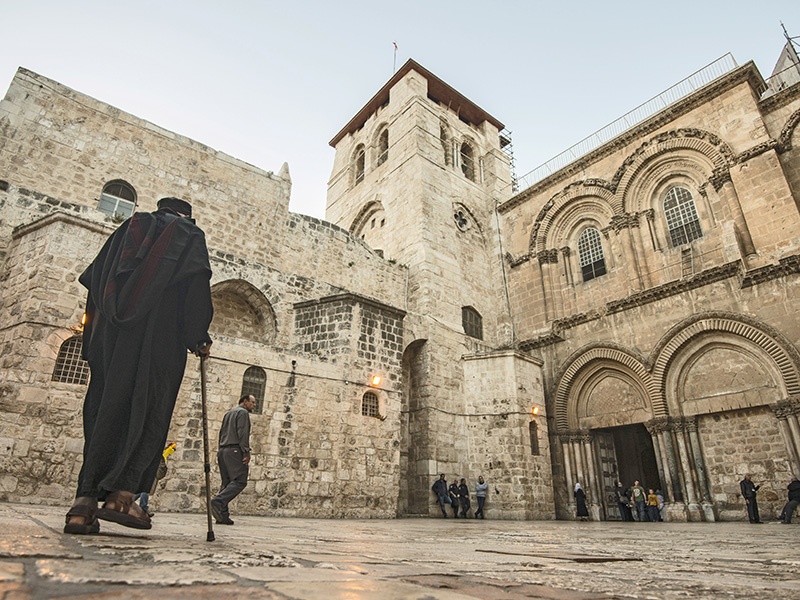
x,y
472,322
118,199
370,407
254,382
359,164
468,161
383,147
70,366
681,215
590,254
444,138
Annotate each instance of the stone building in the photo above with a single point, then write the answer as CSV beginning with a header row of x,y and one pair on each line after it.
x,y
630,315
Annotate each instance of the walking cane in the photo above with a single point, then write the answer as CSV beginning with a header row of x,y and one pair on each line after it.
x,y
207,464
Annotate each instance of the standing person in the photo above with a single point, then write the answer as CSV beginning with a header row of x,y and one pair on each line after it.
x,y
749,489
149,302
440,489
480,493
794,500
233,457
660,498
639,498
652,506
144,497
463,498
453,493
580,503
623,502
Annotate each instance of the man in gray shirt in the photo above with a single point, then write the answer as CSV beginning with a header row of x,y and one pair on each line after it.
x,y
233,457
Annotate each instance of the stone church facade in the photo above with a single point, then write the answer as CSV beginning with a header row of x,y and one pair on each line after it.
x,y
630,316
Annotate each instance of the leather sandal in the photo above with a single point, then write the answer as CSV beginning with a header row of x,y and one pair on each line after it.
x,y
90,523
120,508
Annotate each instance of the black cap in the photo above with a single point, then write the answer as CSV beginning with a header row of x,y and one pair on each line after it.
x,y
176,204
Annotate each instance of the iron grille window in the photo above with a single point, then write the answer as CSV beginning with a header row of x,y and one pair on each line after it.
x,y
590,253
681,214
70,366
369,405
117,199
472,322
254,383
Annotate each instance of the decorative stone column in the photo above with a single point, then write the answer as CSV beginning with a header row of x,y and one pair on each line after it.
x,y
545,259
723,185
690,425
693,506
622,224
595,497
786,412
661,432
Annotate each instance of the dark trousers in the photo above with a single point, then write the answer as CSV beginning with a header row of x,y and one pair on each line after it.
x,y
625,511
652,513
640,510
454,505
788,510
481,502
752,510
234,478
465,504
442,501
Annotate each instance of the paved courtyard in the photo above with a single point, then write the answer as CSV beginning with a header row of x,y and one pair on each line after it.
x,y
389,559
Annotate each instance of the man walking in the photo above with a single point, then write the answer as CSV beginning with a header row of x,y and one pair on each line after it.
x,y
749,489
233,457
149,302
639,497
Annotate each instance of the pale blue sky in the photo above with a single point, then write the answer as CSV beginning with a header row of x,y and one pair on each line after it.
x,y
273,81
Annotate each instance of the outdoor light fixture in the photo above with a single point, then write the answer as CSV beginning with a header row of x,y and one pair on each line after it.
x,y
79,327
375,380
534,411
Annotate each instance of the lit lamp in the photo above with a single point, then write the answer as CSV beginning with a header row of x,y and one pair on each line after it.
x,y
79,327
534,412
375,380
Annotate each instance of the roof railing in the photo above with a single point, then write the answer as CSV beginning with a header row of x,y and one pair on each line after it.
x,y
693,82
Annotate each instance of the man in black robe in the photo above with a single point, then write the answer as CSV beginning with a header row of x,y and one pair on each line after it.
x,y
749,490
149,302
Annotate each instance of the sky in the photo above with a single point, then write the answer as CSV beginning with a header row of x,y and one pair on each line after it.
x,y
270,82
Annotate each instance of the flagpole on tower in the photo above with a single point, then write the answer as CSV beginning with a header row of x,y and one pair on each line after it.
x,y
394,64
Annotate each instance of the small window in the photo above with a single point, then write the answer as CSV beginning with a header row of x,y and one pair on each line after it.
x,y
117,200
70,366
533,431
472,322
383,147
468,161
369,405
359,164
254,382
681,214
590,253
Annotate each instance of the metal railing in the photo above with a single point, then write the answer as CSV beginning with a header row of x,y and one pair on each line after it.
x,y
780,81
693,82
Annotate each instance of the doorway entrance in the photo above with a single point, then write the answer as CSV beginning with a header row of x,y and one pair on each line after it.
x,y
625,453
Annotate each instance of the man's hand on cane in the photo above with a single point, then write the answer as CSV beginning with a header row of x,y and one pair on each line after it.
x,y
203,350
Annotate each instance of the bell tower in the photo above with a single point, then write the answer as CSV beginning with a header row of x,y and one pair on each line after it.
x,y
417,174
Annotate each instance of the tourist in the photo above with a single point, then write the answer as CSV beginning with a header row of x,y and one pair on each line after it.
x,y
580,503
639,499
794,500
463,498
453,492
623,502
749,490
440,489
233,457
480,493
149,301
652,506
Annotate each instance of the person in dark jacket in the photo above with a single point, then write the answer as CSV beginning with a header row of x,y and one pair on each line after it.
x,y
463,498
453,492
149,301
623,502
749,489
580,503
440,489
794,500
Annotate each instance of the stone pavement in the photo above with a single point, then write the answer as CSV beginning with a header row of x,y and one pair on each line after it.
x,y
430,559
